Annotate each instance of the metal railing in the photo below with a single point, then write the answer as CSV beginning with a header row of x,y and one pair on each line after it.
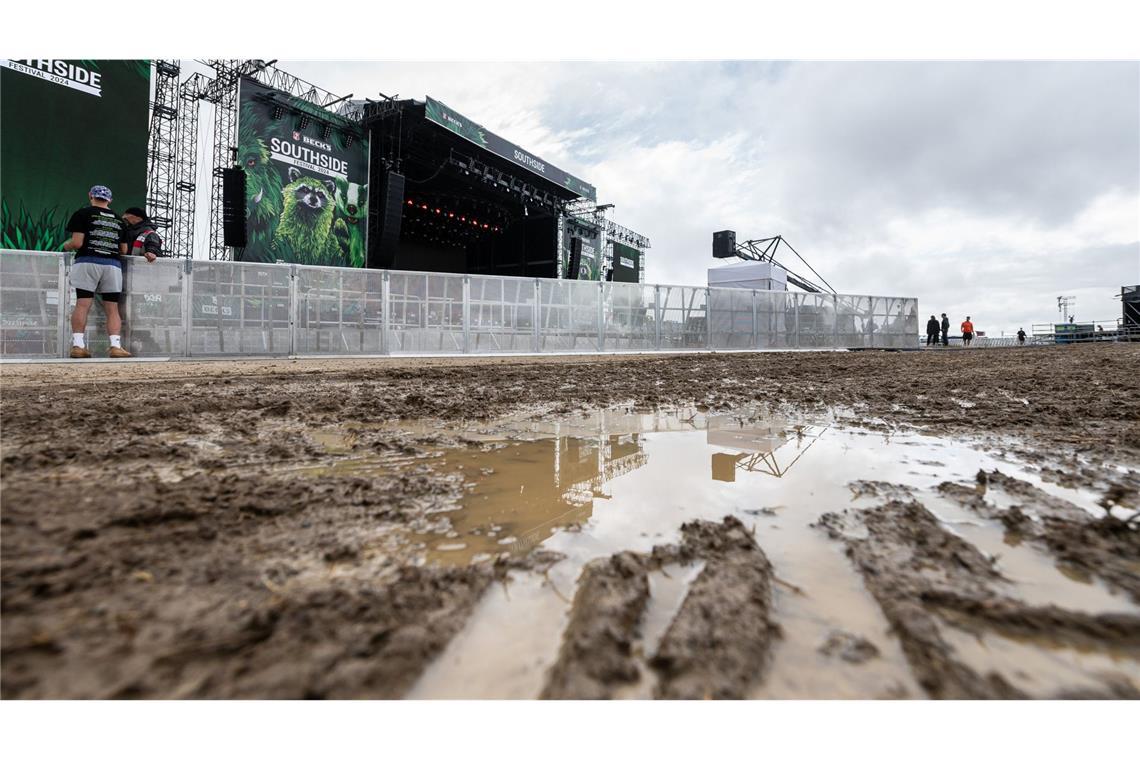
x,y
184,308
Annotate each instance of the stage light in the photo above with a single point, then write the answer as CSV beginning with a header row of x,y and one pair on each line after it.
x,y
278,112
326,131
304,121
411,202
348,138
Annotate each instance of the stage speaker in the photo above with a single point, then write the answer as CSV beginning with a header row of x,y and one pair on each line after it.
x,y
384,227
575,262
724,244
233,208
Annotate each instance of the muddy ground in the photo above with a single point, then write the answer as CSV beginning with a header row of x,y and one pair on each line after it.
x,y
158,542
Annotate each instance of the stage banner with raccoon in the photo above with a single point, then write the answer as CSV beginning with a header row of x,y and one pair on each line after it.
x,y
66,125
306,175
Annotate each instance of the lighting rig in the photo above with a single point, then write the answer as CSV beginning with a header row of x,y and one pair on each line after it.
x,y
510,186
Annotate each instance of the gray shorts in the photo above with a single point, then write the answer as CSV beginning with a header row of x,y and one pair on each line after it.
x,y
98,278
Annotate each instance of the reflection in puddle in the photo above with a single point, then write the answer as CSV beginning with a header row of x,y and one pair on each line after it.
x,y
609,481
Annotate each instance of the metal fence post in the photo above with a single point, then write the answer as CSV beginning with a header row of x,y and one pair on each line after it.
x,y
536,328
187,306
63,319
466,314
293,311
601,315
708,319
835,335
656,317
796,317
755,320
385,309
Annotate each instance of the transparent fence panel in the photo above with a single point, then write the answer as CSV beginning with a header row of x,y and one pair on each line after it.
x,y
569,315
684,323
426,313
775,319
240,309
502,313
732,317
897,321
339,311
815,316
30,304
855,324
629,320
151,307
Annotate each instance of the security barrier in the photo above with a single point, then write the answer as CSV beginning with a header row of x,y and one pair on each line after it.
x,y
180,308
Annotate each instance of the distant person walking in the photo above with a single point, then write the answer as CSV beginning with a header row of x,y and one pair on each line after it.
x,y
1020,337
932,331
967,331
945,329
140,236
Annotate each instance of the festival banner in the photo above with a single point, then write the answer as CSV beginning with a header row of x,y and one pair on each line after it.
x,y
306,180
66,125
445,117
626,263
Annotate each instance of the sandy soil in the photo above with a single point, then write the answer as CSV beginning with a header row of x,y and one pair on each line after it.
x,y
153,545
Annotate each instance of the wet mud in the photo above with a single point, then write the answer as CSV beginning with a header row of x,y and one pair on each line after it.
x,y
192,530
925,577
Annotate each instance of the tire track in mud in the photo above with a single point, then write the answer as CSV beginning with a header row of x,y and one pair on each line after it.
x,y
925,577
1108,548
717,643
597,654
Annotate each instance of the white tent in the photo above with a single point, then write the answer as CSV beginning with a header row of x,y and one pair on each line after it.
x,y
750,275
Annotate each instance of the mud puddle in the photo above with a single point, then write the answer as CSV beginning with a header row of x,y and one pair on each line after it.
x,y
593,486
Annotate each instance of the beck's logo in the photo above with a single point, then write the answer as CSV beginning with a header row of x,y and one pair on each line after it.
x,y
296,135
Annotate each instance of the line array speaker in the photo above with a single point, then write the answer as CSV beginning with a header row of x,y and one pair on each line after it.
x,y
575,263
386,223
233,208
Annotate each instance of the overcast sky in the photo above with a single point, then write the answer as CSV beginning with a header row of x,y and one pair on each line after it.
x,y
986,189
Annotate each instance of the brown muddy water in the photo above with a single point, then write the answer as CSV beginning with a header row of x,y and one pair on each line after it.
x,y
594,485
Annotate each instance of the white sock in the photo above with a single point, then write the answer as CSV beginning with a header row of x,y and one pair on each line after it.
x,y
115,341
77,340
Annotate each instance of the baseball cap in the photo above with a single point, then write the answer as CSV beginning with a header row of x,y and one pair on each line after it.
x,y
100,191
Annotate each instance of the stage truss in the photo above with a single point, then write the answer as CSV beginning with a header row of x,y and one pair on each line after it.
x,y
174,144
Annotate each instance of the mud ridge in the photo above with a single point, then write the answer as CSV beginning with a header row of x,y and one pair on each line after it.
x,y
721,639
597,653
1106,547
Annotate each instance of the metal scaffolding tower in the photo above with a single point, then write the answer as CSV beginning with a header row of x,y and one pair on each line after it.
x,y
162,146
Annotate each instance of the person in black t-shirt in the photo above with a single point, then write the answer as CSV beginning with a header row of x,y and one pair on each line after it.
x,y
95,232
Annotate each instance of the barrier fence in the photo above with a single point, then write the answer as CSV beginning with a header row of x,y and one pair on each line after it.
x,y
184,308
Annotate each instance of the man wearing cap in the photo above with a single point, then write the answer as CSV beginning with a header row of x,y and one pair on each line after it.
x,y
139,235
95,237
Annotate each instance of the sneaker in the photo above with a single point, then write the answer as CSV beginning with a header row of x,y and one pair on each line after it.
x,y
80,353
118,353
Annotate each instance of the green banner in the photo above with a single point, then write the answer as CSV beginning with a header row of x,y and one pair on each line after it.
x,y
627,263
65,126
306,180
449,119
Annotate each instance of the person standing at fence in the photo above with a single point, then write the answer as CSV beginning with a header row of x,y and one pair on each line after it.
x,y
945,329
140,236
932,331
1020,336
967,331
95,237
